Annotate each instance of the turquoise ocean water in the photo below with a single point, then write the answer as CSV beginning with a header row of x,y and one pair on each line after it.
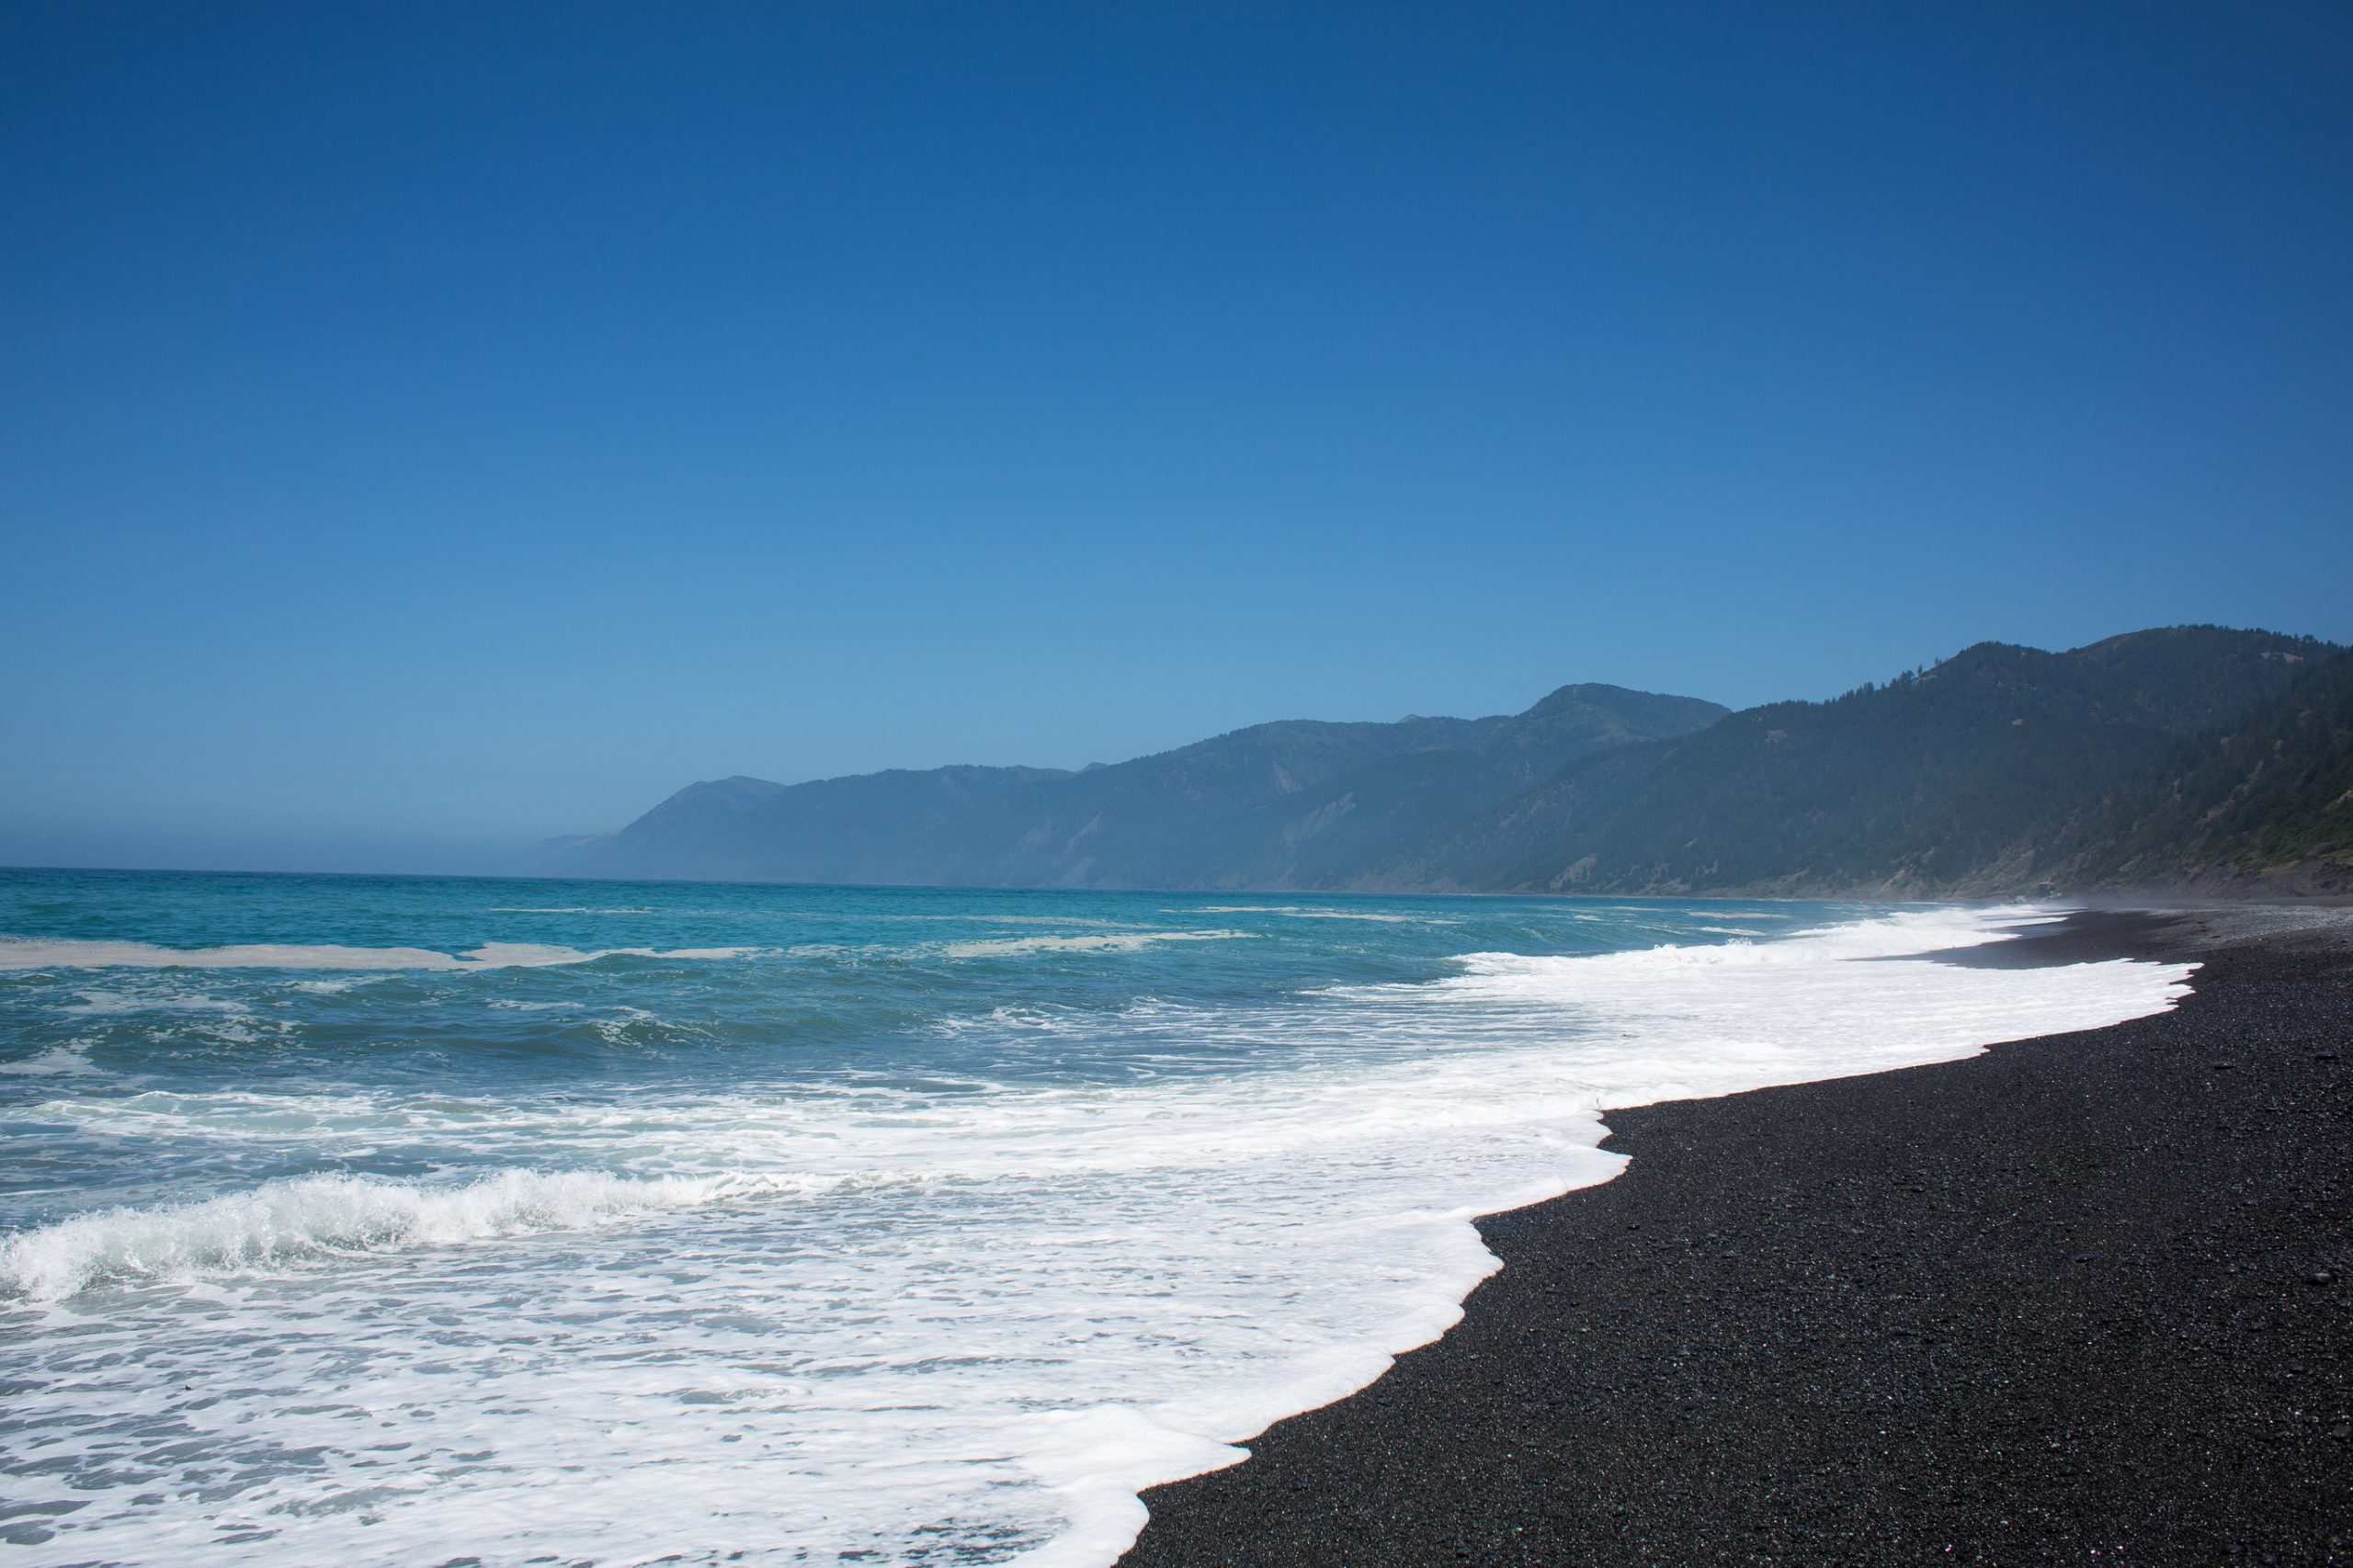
x,y
420,1221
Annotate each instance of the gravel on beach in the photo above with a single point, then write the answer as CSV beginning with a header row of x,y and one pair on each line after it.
x,y
2082,1299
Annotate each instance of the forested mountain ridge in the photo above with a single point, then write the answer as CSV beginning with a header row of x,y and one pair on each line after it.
x,y
2262,804
1270,805
1939,782
2157,755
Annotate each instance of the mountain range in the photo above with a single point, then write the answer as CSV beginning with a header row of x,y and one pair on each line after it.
x,y
1289,804
2184,756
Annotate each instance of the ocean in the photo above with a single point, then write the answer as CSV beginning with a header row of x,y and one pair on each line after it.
x,y
417,1220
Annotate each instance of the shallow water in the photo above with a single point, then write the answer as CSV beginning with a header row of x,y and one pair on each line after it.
x,y
405,1220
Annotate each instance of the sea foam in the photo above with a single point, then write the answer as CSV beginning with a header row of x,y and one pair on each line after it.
x,y
286,1223
33,953
1087,943
914,1321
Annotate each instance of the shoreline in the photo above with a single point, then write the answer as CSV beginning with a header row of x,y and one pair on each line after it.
x,y
2079,1297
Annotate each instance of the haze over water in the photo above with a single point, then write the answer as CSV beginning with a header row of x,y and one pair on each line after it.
x,y
399,1220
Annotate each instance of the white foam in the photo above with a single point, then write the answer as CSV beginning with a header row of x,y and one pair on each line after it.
x,y
999,918
577,909
58,1061
1296,912
1090,942
112,1003
991,1311
305,1219
39,953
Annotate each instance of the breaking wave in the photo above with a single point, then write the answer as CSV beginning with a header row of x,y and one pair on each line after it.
x,y
305,1219
29,953
1095,942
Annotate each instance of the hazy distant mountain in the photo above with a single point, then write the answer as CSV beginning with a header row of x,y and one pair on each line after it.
x,y
1948,779
1274,805
863,828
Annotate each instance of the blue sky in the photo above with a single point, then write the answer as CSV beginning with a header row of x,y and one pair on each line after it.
x,y
426,428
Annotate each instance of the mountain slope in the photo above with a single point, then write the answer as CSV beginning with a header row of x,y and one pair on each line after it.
x,y
2266,801
1261,807
1935,782
1273,806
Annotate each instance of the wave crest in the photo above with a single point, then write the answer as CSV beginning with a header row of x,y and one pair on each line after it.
x,y
301,1218
1092,942
65,952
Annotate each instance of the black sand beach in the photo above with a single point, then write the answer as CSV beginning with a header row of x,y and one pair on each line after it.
x,y
2083,1299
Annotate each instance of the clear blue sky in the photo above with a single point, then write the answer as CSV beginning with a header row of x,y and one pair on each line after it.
x,y
424,429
